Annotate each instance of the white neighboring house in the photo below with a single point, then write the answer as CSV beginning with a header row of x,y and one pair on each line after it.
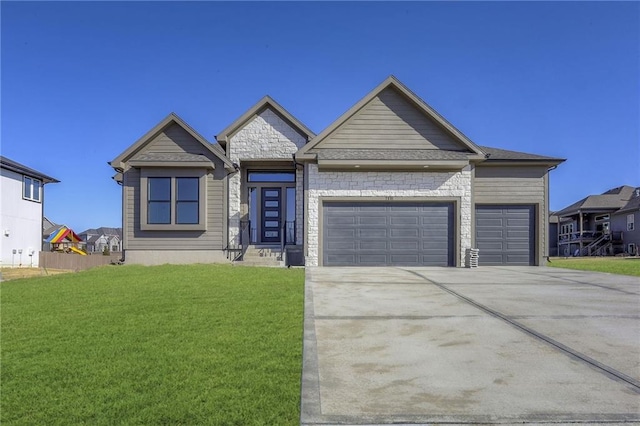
x,y
21,213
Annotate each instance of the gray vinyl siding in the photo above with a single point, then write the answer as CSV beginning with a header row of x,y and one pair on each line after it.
x,y
213,238
510,185
390,121
516,185
619,223
174,139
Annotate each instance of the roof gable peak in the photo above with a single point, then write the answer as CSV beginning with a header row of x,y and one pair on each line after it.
x,y
392,82
267,102
169,120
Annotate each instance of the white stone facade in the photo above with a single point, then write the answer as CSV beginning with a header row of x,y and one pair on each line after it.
x,y
403,185
267,136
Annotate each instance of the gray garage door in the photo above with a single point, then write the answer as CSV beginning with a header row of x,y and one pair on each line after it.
x,y
505,235
387,234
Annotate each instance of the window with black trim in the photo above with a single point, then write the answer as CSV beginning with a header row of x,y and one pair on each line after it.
x,y
31,189
187,200
172,200
159,200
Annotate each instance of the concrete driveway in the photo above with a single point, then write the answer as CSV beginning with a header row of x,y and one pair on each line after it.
x,y
487,345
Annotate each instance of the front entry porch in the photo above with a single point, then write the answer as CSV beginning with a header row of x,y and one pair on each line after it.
x,y
271,208
268,221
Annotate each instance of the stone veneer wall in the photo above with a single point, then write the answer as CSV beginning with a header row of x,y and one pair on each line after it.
x,y
384,184
267,136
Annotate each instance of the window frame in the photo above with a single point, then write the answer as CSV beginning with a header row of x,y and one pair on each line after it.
x,y
151,201
173,175
631,219
31,187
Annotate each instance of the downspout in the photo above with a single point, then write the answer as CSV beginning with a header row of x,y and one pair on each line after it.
x,y
122,212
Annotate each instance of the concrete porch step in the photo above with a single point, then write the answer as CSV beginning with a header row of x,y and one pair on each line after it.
x,y
262,256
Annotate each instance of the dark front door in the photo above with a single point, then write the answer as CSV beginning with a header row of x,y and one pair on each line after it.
x,y
271,215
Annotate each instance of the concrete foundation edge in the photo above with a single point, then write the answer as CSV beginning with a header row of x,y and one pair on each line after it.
x,y
177,257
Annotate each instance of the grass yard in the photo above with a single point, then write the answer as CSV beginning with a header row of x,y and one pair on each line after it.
x,y
612,265
198,344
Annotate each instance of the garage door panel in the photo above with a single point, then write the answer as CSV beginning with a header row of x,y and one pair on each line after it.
x,y
372,259
404,245
335,245
517,246
491,222
517,259
371,220
403,208
374,245
341,258
404,233
341,232
523,222
342,220
404,220
493,246
404,259
344,210
390,233
489,234
518,234
505,234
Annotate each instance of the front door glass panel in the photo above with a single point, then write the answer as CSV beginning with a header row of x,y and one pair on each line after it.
x,y
271,215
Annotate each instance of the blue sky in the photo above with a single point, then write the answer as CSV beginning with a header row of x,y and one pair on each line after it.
x,y
81,81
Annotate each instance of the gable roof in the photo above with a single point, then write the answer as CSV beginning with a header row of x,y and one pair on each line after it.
x,y
423,107
172,118
634,202
47,223
611,200
103,230
265,103
14,166
503,155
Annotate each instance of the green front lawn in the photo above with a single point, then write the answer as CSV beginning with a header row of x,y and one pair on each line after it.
x,y
199,344
612,265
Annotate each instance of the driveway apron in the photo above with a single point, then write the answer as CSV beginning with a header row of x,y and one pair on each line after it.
x,y
485,345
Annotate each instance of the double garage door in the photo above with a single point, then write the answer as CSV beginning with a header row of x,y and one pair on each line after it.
x,y
505,234
387,234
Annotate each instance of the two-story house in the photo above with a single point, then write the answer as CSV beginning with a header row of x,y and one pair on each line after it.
x,y
21,213
600,225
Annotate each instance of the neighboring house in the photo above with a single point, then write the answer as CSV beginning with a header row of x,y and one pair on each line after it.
x,y
600,225
21,216
390,182
97,239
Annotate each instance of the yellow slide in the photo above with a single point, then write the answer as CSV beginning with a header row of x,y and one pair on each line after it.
x,y
75,250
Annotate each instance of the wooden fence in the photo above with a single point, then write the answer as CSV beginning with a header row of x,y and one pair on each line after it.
x,y
76,262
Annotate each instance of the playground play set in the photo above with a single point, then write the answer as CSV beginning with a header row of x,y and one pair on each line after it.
x,y
65,240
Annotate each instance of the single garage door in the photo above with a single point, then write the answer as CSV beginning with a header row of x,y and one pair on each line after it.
x,y
505,235
387,234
